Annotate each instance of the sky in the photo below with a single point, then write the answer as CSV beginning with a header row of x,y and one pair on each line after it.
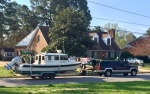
x,y
99,11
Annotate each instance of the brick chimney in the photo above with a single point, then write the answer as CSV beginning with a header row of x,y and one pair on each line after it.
x,y
111,32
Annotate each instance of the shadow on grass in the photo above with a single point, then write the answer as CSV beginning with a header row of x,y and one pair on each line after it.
x,y
112,87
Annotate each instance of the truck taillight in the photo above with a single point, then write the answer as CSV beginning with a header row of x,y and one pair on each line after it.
x,y
98,67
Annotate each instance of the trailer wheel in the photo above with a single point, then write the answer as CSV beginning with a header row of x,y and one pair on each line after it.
x,y
51,75
44,76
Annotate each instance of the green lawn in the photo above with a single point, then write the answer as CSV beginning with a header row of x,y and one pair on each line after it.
x,y
136,87
146,66
6,73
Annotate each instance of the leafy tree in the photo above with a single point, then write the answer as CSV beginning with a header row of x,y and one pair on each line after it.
x,y
70,32
48,9
129,37
27,19
125,55
11,23
122,37
112,26
98,28
148,32
19,22
2,21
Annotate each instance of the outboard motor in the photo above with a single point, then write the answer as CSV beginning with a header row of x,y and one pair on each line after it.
x,y
16,61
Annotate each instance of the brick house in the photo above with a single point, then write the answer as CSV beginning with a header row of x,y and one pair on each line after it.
x,y
106,47
138,47
34,42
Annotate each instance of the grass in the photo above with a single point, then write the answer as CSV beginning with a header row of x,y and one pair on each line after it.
x,y
135,87
146,66
6,73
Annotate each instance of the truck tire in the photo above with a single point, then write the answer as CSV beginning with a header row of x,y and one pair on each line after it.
x,y
133,72
100,74
125,74
108,73
83,72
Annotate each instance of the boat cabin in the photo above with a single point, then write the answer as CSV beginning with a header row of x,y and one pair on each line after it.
x,y
49,58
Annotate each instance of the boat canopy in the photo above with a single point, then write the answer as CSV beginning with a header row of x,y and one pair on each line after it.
x,y
25,53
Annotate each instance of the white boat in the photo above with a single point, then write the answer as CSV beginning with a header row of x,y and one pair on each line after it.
x,y
45,65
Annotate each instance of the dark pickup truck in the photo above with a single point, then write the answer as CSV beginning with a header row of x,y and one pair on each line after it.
x,y
108,67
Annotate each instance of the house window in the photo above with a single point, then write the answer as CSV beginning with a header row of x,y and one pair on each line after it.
x,y
9,54
92,54
108,41
95,39
115,54
108,54
17,53
20,52
38,38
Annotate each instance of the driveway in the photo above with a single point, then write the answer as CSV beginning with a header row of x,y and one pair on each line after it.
x,y
3,63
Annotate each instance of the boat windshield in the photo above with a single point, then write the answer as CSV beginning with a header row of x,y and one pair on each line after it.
x,y
64,57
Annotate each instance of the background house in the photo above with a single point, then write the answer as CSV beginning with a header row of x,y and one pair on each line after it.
x,y
105,47
139,46
7,53
34,42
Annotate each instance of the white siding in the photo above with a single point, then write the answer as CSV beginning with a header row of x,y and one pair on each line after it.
x,y
105,39
96,36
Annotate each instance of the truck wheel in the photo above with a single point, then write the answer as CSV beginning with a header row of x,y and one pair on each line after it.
x,y
133,72
125,74
108,73
100,74
33,77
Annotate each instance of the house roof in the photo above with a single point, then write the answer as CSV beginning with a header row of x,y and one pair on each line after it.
x,y
92,34
104,35
28,39
45,32
8,49
102,46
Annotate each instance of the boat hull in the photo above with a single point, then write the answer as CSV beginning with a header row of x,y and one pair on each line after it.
x,y
29,69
